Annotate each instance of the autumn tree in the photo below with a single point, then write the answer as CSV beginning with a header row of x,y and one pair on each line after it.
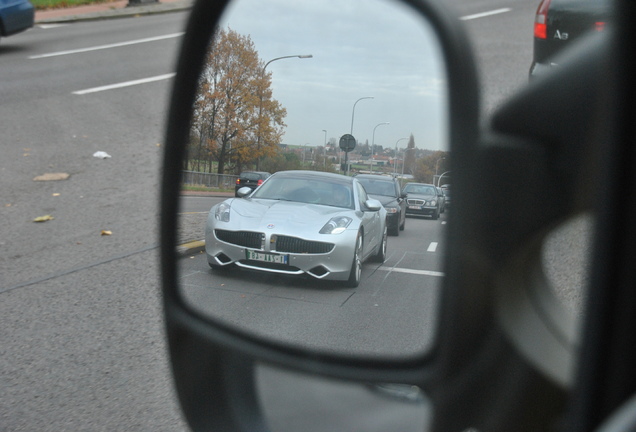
x,y
236,121
426,167
410,157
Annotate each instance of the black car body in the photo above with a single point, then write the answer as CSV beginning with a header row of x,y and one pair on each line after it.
x,y
422,200
250,179
447,197
559,22
442,199
387,190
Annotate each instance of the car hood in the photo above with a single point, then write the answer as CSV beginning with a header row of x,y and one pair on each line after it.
x,y
287,216
385,200
420,196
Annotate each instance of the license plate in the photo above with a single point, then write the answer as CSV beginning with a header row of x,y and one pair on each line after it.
x,y
415,207
267,257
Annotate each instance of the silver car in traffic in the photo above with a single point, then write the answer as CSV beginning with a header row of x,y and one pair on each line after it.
x,y
299,222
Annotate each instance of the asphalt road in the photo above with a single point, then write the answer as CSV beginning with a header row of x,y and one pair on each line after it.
x,y
82,344
391,313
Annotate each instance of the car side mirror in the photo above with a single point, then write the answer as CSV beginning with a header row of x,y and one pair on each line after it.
x,y
211,359
373,205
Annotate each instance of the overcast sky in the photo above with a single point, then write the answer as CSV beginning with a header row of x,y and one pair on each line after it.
x,y
360,48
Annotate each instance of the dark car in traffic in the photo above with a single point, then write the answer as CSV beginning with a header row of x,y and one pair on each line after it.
x,y
422,200
15,16
558,23
250,179
442,199
386,189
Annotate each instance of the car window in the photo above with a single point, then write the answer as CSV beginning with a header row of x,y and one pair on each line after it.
x,y
252,176
378,187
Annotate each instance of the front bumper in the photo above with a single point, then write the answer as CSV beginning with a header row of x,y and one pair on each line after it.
x,y
334,264
421,210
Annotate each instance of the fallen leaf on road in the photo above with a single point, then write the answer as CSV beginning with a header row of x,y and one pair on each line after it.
x,y
43,218
52,177
56,194
106,232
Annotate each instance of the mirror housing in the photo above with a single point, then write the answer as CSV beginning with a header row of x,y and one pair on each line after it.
x,y
214,362
373,205
244,191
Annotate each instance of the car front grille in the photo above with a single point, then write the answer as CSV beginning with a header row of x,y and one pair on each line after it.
x,y
418,202
296,245
250,239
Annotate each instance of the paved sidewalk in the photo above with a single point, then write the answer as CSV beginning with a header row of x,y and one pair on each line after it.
x,y
108,10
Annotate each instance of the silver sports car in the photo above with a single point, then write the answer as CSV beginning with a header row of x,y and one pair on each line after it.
x,y
299,222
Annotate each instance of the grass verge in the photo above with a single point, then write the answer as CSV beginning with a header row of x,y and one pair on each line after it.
x,y
201,188
60,4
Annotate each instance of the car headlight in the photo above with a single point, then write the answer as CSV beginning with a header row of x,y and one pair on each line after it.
x,y
433,202
391,210
222,212
336,225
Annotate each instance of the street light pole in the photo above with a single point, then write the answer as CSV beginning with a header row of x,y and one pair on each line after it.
x,y
437,166
325,149
354,110
439,180
396,155
260,104
373,142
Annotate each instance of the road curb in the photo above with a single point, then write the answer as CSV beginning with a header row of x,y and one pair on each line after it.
x,y
191,248
125,12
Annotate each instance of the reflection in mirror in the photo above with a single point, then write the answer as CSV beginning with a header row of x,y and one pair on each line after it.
x,y
295,261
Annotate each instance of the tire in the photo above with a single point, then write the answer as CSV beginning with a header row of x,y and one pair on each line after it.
x,y
380,255
355,275
395,231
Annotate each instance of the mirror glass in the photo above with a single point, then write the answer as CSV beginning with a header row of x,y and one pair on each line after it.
x,y
287,86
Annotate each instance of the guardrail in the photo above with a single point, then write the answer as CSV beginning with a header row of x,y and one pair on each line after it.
x,y
224,181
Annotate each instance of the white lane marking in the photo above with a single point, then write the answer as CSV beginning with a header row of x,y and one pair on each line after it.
x,y
51,26
412,271
102,47
124,84
485,14
432,247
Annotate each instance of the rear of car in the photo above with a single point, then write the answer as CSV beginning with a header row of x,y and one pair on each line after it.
x,y
250,179
558,23
16,16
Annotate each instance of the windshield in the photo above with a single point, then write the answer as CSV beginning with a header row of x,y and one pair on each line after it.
x,y
309,191
420,189
378,187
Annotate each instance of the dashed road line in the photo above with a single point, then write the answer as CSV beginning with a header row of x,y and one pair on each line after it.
x,y
102,47
412,271
124,84
485,14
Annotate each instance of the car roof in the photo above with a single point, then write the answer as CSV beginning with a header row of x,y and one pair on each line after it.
x,y
315,175
419,184
375,177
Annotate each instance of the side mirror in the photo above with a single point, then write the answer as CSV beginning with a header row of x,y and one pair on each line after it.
x,y
211,359
373,205
244,191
